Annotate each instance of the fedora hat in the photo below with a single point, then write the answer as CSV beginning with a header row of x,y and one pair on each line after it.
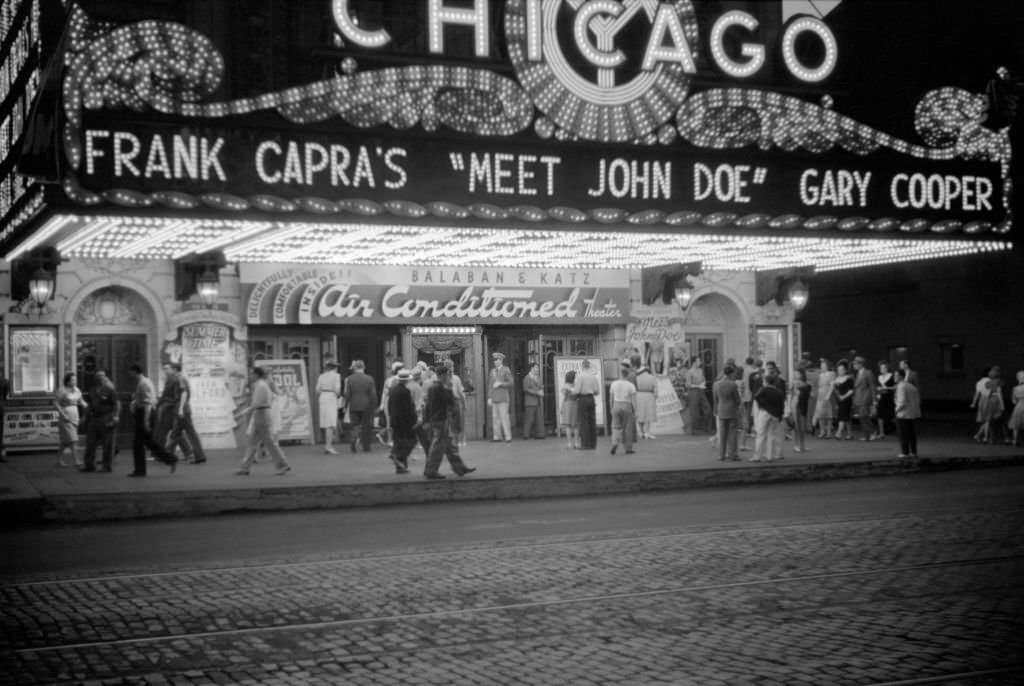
x,y
357,364
404,375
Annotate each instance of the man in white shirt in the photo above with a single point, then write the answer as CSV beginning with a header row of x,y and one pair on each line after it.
x,y
623,397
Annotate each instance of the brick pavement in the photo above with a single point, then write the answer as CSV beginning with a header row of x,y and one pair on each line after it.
x,y
866,600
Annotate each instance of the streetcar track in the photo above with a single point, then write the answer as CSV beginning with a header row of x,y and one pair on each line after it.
x,y
976,674
526,605
489,546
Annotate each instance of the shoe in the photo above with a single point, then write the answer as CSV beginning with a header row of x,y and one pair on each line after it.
x,y
195,461
400,470
630,452
735,459
901,456
134,474
614,448
434,476
241,472
754,459
104,469
330,451
87,469
467,470
282,471
172,463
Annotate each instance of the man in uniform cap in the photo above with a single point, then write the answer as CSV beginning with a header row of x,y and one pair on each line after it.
x,y
501,384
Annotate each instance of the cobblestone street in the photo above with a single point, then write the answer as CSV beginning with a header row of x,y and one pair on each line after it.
x,y
859,600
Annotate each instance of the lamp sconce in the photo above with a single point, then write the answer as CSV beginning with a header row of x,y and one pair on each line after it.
x,y
670,282
199,275
784,286
34,278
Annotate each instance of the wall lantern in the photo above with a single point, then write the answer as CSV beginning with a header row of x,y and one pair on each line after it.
x,y
34,278
784,286
798,294
669,283
199,275
40,287
684,293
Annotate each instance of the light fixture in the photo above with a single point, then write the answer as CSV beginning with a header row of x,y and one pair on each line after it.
x,y
208,287
684,293
798,294
41,287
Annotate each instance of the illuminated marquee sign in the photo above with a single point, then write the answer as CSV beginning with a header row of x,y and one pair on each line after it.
x,y
299,294
520,143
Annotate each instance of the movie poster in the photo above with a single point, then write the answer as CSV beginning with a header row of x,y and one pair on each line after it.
x,y
291,398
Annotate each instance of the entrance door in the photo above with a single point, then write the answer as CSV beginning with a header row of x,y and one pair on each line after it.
x,y
520,350
709,347
114,353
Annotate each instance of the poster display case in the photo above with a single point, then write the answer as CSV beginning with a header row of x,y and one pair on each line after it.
x,y
29,417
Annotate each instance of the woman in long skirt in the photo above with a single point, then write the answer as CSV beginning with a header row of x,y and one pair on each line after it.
x,y
68,401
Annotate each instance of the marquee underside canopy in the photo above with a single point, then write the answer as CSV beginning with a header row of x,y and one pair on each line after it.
x,y
157,238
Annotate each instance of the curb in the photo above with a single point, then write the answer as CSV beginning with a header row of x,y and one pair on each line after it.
x,y
128,506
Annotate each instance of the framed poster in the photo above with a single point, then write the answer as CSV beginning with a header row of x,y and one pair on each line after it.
x,y
773,346
33,360
567,364
291,398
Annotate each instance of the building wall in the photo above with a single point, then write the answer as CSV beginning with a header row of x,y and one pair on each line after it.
x,y
975,303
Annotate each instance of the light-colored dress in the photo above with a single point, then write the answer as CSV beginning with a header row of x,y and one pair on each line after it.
x,y
990,406
824,410
67,423
328,388
646,398
568,415
1017,418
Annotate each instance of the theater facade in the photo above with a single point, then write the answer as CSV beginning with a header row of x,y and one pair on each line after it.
x,y
438,180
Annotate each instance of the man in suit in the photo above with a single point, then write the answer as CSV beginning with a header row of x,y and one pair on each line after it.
x,y
361,401
404,421
143,408
728,403
104,412
441,414
864,390
500,395
533,404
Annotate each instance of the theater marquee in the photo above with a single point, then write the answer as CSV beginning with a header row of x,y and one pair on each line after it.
x,y
581,125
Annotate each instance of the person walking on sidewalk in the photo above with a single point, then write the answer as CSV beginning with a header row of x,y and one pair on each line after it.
x,y
623,397
728,404
70,408
328,390
586,389
361,400
771,403
261,430
908,411
533,404
104,411
143,407
174,417
404,421
442,416
646,402
501,386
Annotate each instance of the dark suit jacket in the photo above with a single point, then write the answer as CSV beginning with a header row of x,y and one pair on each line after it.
x,y
402,411
360,392
727,399
864,388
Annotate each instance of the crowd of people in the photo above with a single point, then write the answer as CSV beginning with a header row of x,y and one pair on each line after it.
x,y
749,407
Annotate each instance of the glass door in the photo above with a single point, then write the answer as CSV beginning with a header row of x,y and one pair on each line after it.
x,y
114,353
709,348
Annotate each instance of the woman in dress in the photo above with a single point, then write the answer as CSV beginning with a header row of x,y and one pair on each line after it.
x,y
823,410
328,389
68,401
646,402
799,402
886,400
843,389
990,406
1016,424
567,416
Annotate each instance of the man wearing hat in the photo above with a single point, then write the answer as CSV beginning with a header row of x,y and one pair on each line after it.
x,y
328,390
442,416
361,400
501,385
404,421
385,392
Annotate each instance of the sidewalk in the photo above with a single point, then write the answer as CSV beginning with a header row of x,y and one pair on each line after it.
x,y
32,488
